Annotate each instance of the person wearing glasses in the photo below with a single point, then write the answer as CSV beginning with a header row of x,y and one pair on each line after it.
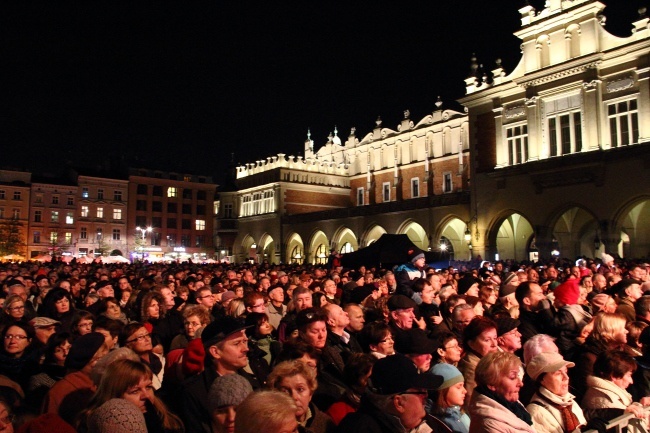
x,y
395,401
13,310
137,337
17,360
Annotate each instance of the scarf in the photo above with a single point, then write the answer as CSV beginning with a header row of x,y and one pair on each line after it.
x,y
513,406
570,421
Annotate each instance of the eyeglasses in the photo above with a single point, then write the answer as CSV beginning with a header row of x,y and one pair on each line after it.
x,y
17,308
258,305
140,338
8,419
453,346
15,337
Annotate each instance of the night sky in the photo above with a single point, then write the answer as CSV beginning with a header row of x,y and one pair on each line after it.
x,y
183,86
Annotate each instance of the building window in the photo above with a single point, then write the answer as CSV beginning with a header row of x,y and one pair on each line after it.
x,y
360,193
200,195
172,207
54,237
187,193
117,195
100,194
84,233
415,187
68,238
2,212
171,223
38,216
84,211
100,212
172,191
116,234
70,201
200,240
55,199
565,134
156,222
199,224
157,191
55,216
69,218
16,214
156,206
2,194
100,233
17,195
141,205
187,209
84,192
200,209
142,189
386,191
38,199
155,238
447,186
186,224
185,240
140,221
623,123
517,138
171,240
117,214
37,237
187,178
227,210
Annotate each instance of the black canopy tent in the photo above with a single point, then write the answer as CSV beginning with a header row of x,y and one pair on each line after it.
x,y
387,251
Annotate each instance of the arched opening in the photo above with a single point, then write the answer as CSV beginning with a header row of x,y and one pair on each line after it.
x,y
513,238
635,225
372,234
248,248
454,233
267,249
446,248
318,248
116,253
345,236
295,249
416,234
576,231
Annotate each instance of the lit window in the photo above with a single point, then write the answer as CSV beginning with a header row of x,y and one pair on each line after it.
x,y
172,192
116,234
84,192
200,224
623,123
565,134
117,214
517,138
54,237
69,218
68,237
100,233
84,233
84,211
55,216
100,212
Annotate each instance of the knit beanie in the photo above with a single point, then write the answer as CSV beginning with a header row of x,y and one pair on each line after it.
x,y
117,416
83,349
465,283
450,375
568,292
228,390
415,254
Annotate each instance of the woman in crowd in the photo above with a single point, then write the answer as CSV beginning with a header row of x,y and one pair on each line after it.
x,y
259,337
479,339
13,310
6,417
380,339
17,360
136,337
494,406
448,349
58,305
117,415
606,397
553,408
270,411
299,382
226,393
608,333
634,329
110,307
52,369
152,309
194,317
132,381
82,323
449,397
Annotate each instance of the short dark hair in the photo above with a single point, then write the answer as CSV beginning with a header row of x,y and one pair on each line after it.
x,y
419,283
114,327
642,306
522,291
613,364
476,327
375,332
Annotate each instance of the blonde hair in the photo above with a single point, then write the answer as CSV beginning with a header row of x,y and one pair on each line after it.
x,y
236,308
289,369
606,326
494,365
264,411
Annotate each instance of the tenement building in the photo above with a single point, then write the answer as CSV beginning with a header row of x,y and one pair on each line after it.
x,y
551,158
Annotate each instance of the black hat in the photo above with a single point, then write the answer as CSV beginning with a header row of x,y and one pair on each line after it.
x,y
414,254
220,329
83,349
506,324
465,283
415,342
396,374
400,302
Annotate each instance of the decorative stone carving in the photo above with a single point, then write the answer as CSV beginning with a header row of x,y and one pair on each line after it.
x,y
515,112
620,84
591,85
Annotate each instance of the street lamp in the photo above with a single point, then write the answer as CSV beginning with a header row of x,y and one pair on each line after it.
x,y
144,230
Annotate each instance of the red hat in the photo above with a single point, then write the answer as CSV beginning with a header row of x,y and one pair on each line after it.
x,y
568,292
193,358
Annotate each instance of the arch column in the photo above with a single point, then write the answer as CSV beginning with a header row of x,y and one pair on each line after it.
x,y
544,241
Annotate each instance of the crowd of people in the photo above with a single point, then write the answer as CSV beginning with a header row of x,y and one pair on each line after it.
x,y
183,347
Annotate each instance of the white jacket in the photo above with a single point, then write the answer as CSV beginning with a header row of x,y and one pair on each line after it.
x,y
488,416
605,394
547,418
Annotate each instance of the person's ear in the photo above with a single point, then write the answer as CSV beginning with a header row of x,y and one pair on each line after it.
x,y
440,352
398,402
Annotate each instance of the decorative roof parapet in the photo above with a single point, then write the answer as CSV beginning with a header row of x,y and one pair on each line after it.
x,y
291,162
